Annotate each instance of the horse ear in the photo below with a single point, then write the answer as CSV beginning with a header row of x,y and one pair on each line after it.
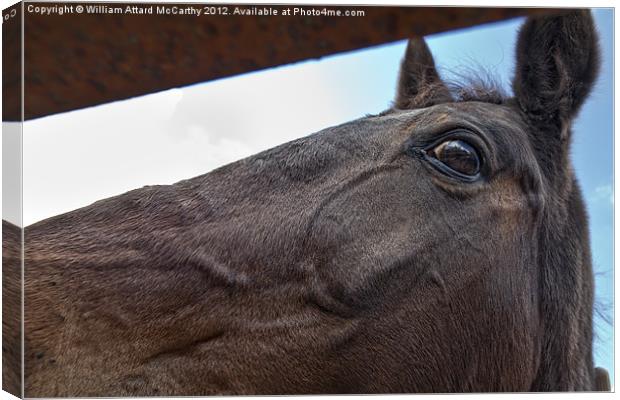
x,y
419,84
557,64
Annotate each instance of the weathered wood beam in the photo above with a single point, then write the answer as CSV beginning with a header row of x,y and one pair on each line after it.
x,y
77,60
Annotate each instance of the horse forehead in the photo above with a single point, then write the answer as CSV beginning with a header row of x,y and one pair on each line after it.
x,y
478,112
472,111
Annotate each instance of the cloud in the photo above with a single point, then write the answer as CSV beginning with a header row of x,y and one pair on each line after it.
x,y
262,109
603,193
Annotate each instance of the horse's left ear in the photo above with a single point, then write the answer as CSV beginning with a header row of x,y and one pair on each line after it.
x,y
557,64
419,84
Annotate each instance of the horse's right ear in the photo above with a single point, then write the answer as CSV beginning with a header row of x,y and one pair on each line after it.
x,y
557,64
419,84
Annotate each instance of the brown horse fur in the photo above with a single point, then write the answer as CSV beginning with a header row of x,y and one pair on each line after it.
x,y
342,262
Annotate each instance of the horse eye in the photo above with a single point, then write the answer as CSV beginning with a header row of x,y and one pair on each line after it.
x,y
459,156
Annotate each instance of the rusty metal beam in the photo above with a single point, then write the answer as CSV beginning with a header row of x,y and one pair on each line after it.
x,y
80,60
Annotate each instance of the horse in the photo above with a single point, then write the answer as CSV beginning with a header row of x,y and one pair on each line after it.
x,y
439,246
